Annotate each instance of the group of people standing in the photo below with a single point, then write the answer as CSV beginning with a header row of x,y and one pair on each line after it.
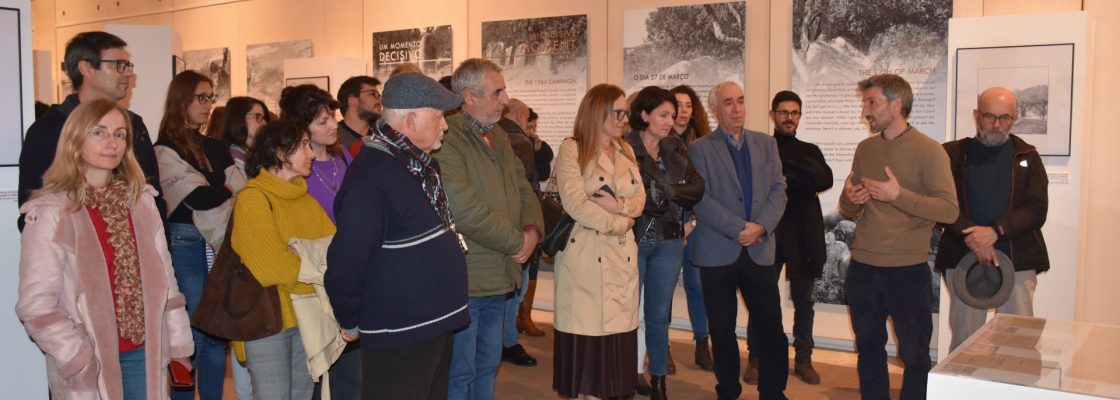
x,y
424,204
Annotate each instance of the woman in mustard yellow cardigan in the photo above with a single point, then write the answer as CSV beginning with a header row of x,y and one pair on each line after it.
x,y
273,207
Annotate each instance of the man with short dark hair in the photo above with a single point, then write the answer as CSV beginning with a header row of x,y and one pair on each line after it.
x,y
397,273
99,68
359,101
800,234
497,211
900,186
733,239
1002,188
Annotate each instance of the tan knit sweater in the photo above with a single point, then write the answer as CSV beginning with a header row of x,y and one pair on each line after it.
x,y
898,234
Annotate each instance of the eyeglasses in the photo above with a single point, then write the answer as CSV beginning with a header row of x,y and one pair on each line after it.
x,y
99,134
373,92
990,118
783,114
621,114
204,99
122,65
258,117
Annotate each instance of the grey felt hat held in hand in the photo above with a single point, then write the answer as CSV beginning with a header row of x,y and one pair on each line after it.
x,y
981,285
415,90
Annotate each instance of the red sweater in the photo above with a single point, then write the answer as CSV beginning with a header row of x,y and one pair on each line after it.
x,y
101,227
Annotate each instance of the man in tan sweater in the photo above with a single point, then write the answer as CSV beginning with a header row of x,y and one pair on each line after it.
x,y
900,186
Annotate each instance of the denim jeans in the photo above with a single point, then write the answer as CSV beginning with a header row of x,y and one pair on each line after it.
x,y
659,265
694,294
904,294
278,366
188,259
509,330
133,380
478,350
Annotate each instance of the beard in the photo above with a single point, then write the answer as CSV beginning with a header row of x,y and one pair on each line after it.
x,y
993,137
369,116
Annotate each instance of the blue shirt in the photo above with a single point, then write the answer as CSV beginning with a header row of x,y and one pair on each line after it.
x,y
741,158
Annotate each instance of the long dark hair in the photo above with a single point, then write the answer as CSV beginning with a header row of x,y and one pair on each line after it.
x,y
234,130
175,125
276,138
699,120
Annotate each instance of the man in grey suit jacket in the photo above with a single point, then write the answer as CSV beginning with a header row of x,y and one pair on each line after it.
x,y
744,197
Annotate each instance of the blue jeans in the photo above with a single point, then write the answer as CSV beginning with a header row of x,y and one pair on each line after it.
x,y
695,296
509,330
188,258
905,295
133,380
278,366
478,350
659,264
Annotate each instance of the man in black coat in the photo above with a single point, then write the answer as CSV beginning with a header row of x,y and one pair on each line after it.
x,y
800,233
99,68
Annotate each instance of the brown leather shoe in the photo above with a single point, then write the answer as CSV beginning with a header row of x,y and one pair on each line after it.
x,y
806,372
525,312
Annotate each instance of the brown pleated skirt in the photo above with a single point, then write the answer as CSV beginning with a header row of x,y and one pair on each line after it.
x,y
600,366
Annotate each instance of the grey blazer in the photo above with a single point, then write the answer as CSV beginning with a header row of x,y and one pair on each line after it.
x,y
720,212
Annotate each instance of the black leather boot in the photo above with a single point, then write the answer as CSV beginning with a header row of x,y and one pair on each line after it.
x,y
657,387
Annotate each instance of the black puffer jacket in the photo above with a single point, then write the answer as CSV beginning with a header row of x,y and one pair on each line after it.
x,y
1022,223
680,183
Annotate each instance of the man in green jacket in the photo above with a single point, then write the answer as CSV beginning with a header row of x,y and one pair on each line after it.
x,y
496,211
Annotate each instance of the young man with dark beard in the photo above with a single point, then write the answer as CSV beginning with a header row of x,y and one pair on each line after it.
x,y
359,101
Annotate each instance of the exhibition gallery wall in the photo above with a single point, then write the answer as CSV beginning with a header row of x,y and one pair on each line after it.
x,y
818,48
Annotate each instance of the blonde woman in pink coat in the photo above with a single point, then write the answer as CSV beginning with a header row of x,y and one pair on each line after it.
x,y
96,289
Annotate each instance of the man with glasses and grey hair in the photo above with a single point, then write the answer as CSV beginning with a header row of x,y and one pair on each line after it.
x,y
497,211
99,68
1002,188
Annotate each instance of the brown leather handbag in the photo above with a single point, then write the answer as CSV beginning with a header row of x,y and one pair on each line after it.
x,y
234,305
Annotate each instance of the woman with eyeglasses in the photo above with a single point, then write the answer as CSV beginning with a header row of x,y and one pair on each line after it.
x,y
193,171
596,276
96,291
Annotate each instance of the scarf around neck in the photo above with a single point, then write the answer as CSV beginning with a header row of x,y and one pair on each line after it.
x,y
113,203
419,164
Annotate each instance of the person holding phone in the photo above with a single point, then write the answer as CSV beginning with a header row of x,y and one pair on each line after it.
x,y
596,277
96,290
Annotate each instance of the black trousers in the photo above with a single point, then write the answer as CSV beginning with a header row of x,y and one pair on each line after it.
x,y
412,372
801,292
760,293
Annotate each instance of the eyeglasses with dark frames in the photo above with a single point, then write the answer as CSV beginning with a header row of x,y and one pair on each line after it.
x,y
621,114
991,118
122,65
373,92
259,117
787,113
205,99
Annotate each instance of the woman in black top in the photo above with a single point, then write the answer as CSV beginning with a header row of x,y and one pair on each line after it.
x,y
193,171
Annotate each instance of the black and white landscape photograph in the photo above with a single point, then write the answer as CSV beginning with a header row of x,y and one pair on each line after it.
x,y
429,48
215,64
265,68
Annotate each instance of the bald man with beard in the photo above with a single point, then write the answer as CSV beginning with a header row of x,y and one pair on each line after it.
x,y
1002,189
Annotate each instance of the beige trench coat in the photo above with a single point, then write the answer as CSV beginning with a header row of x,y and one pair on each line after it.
x,y
597,274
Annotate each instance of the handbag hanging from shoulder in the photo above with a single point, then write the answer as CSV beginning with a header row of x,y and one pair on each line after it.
x,y
557,223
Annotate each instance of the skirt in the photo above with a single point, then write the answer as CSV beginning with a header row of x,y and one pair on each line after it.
x,y
600,366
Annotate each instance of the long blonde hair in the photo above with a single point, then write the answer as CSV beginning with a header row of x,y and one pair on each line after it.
x,y
597,105
67,174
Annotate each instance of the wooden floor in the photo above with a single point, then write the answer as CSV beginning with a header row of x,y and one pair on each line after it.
x,y
837,370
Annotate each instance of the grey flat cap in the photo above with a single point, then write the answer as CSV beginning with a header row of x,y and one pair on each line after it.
x,y
984,286
415,90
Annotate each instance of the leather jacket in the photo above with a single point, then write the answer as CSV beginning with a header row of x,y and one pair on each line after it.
x,y
680,184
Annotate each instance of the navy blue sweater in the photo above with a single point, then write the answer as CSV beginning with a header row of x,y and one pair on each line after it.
x,y
393,271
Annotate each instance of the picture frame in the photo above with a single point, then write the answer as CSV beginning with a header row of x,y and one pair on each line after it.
x,y
323,82
1041,76
178,64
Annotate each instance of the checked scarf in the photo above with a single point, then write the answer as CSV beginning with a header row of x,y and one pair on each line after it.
x,y
421,165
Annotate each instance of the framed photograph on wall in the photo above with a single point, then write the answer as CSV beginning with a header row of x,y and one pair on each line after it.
x,y
1041,76
178,64
323,82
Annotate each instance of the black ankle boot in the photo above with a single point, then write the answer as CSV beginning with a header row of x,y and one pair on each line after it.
x,y
657,388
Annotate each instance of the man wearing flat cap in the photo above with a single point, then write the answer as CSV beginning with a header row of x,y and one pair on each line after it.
x,y
496,211
397,274
1002,189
